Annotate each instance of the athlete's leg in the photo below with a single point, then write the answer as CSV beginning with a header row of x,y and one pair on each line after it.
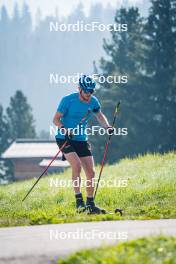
x,y
75,163
88,166
74,160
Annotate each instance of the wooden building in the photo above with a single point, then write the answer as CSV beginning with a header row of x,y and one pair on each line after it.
x,y
31,156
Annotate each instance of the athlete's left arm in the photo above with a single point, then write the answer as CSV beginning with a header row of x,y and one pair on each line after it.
x,y
102,119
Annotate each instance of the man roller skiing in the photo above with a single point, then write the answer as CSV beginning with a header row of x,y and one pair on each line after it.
x,y
77,151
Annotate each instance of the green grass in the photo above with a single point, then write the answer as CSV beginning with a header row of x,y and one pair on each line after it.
x,y
150,194
157,250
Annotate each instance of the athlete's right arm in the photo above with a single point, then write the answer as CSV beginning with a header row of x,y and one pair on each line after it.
x,y
56,119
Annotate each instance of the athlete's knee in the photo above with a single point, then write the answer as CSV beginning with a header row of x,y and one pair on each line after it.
x,y
76,167
90,173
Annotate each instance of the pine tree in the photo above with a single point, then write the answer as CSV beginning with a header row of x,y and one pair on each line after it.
x,y
4,130
4,16
125,51
26,20
4,141
20,117
161,70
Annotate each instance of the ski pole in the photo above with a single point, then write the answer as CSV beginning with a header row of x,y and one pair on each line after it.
x,y
117,109
45,170
82,120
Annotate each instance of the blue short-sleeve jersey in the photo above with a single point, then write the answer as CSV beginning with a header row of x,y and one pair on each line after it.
x,y
74,110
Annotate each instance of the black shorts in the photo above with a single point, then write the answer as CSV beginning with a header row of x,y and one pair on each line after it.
x,y
82,148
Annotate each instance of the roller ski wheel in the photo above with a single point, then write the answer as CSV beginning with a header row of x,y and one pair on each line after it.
x,y
120,211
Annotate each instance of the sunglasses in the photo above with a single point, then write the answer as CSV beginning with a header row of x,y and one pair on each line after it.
x,y
90,91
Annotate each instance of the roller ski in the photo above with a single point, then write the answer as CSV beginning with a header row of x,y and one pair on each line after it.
x,y
116,211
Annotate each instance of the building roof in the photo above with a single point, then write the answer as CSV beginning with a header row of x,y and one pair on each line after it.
x,y
56,163
31,148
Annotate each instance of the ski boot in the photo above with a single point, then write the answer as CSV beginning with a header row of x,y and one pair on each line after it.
x,y
80,205
92,209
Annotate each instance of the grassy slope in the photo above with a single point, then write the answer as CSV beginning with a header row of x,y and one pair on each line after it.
x,y
150,194
158,250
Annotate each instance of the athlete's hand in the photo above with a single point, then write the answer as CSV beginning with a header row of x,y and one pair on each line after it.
x,y
110,130
66,132
69,134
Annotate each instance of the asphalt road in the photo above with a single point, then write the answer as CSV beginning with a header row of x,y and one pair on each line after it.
x,y
46,243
